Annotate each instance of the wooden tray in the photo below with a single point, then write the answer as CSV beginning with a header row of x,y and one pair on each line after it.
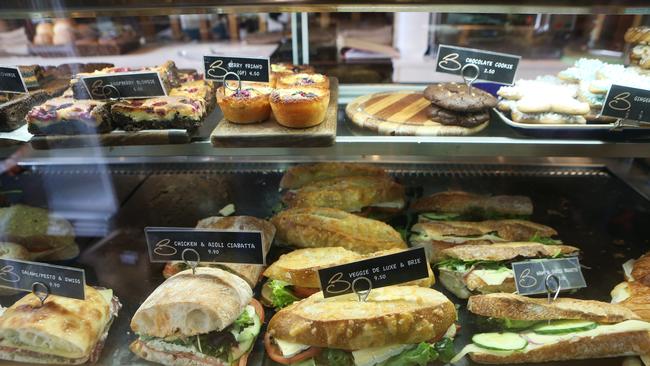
x,y
125,138
270,134
402,113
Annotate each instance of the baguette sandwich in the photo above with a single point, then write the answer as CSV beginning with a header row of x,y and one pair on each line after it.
x,y
459,205
527,330
62,331
438,235
301,175
634,293
206,318
329,227
294,276
360,194
396,325
470,269
249,272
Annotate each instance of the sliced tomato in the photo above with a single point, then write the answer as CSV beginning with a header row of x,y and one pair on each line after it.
x,y
274,352
259,309
303,292
243,360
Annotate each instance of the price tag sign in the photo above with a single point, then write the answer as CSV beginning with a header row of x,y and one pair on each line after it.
x,y
627,103
530,276
212,246
60,281
493,66
11,81
247,68
387,270
125,85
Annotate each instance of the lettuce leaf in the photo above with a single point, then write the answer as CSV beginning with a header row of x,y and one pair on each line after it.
x,y
445,349
280,296
544,240
335,357
420,355
245,320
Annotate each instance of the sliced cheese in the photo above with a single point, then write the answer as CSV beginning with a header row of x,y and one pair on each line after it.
x,y
451,331
107,294
620,293
375,355
390,204
627,269
290,349
494,277
454,282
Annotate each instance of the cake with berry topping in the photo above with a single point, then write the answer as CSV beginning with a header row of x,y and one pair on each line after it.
x,y
197,89
303,80
283,69
177,112
250,104
66,116
300,107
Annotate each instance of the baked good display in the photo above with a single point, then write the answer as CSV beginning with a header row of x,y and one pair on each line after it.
x,y
66,116
300,107
60,331
43,33
302,80
168,112
300,175
250,104
200,89
203,318
455,104
638,39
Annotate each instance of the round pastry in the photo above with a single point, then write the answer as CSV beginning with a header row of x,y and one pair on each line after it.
x,y
284,69
303,80
637,35
300,107
459,97
63,32
249,104
43,34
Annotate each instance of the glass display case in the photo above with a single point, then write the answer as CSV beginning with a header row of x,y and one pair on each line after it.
x,y
352,145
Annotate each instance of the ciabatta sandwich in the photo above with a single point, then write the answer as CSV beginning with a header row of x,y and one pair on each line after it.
x,y
438,235
634,294
329,227
206,318
527,330
358,194
294,276
249,272
62,331
301,175
638,269
480,269
459,205
395,324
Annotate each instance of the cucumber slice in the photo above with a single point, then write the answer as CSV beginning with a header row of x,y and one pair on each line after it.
x,y
564,326
500,341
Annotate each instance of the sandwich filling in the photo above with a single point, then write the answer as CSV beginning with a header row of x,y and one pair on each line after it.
x,y
280,294
521,336
471,214
295,354
227,345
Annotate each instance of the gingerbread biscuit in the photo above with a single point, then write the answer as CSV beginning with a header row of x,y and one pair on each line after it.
x,y
451,118
459,97
547,118
552,104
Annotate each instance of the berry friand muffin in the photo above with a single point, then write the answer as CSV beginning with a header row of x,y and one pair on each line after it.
x,y
303,80
283,69
300,107
250,104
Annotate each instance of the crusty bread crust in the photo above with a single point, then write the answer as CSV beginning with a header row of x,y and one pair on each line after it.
x,y
641,269
519,307
391,315
602,346
300,175
639,300
329,227
171,359
350,194
462,202
507,251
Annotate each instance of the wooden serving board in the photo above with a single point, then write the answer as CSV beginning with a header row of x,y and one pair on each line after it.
x,y
126,138
270,134
402,113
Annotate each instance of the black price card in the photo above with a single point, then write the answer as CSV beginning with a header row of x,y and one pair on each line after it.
x,y
530,276
11,81
247,68
212,246
392,269
493,66
60,281
627,103
125,85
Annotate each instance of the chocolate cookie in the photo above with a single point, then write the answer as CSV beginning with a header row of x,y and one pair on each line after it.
x,y
451,118
459,97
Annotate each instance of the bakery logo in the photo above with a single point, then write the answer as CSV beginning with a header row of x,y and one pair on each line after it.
x,y
245,68
57,280
531,276
627,103
11,80
211,246
362,276
492,66
124,85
